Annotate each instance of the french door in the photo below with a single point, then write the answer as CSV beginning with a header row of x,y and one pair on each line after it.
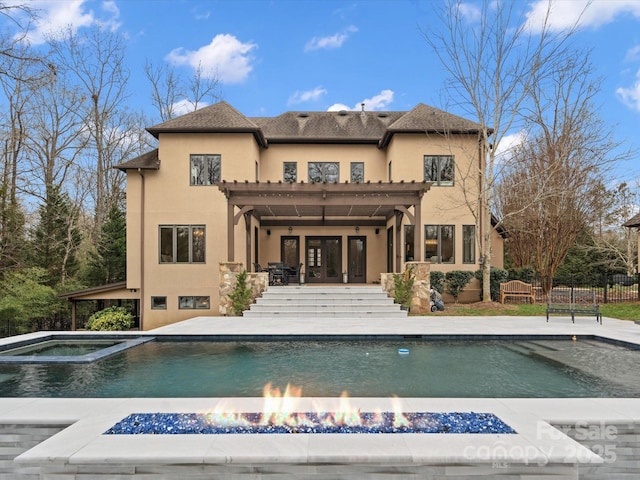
x,y
323,260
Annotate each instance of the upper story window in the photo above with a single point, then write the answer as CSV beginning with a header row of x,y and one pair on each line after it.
x,y
438,169
205,169
290,172
357,172
328,172
182,243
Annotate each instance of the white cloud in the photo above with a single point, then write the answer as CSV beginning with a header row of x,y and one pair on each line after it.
x,y
54,17
469,11
633,54
507,144
631,96
332,41
336,107
308,96
590,13
377,102
185,106
225,58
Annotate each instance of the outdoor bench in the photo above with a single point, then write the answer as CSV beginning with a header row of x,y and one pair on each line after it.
x,y
516,288
580,303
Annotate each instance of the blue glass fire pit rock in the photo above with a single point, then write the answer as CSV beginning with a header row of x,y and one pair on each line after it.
x,y
206,424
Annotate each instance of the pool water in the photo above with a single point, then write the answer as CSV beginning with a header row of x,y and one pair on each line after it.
x,y
542,368
58,348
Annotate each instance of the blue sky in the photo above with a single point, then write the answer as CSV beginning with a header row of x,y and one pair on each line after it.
x,y
271,56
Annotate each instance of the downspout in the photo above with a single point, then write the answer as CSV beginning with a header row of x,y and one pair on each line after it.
x,y
142,195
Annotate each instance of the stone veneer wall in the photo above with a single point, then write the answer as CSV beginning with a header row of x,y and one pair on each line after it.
x,y
17,439
420,303
228,272
617,442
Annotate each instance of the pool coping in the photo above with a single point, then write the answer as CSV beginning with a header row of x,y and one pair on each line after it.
x,y
536,443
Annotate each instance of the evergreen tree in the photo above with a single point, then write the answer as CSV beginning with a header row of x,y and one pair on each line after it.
x,y
108,264
56,237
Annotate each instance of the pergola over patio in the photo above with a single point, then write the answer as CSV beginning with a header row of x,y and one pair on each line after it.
x,y
323,204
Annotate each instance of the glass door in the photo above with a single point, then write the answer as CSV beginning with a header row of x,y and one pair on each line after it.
x,y
323,259
357,258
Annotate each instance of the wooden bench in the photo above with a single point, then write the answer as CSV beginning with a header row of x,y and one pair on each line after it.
x,y
518,289
574,303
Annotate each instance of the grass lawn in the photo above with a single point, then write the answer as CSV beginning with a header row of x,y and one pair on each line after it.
x,y
622,311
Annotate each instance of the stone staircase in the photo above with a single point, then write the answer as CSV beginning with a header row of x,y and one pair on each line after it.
x,y
325,302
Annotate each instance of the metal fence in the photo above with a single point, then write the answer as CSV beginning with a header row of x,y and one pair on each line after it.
x,y
615,288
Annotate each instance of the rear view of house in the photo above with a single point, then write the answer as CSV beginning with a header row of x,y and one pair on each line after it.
x,y
348,194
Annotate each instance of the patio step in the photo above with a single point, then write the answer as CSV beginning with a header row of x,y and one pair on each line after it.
x,y
325,302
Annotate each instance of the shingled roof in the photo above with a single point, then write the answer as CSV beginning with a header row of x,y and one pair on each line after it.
x,y
146,161
318,127
633,222
217,118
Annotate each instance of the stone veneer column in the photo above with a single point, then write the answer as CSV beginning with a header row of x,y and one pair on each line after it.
x,y
420,303
228,271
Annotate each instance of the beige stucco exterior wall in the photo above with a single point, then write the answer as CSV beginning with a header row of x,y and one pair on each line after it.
x,y
169,199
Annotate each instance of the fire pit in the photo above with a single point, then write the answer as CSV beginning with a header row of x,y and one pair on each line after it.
x,y
309,422
279,415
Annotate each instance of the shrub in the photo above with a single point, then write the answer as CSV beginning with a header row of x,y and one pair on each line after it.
x,y
241,295
403,287
437,281
456,281
112,318
497,276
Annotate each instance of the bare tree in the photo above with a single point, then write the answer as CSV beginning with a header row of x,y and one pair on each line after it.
x,y
557,176
171,94
56,138
165,90
95,61
492,65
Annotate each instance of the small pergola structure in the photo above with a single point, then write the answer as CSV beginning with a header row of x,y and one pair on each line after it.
x,y
324,204
113,291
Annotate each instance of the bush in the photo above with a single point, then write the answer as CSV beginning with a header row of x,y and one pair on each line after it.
x,y
112,318
437,281
497,276
456,281
403,287
241,295
524,274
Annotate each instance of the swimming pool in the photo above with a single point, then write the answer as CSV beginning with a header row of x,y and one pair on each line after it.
x,y
372,368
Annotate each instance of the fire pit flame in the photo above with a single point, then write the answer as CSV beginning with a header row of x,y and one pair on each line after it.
x,y
281,416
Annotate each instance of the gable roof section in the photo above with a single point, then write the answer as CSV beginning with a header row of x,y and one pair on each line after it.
x,y
217,118
146,161
423,118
